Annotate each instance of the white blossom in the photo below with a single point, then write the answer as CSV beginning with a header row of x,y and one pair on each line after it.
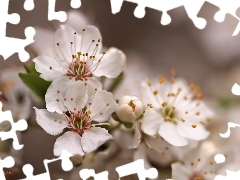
x,y
174,111
197,165
78,57
80,118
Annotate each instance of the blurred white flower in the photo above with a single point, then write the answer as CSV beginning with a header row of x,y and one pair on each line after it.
x,y
130,108
197,165
159,152
15,95
81,118
175,111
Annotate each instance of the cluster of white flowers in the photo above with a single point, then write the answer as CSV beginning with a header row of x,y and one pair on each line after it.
x,y
167,123
75,99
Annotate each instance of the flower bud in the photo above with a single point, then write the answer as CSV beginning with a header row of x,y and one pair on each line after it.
x,y
130,108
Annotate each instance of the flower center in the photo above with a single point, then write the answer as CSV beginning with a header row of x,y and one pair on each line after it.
x,y
197,176
82,65
169,114
80,121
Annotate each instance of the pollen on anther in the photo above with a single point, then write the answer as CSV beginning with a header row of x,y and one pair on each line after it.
x,y
155,92
57,100
50,67
199,159
208,119
162,153
164,104
201,122
162,79
57,44
197,113
58,91
71,42
75,32
194,125
183,120
71,99
149,83
192,163
64,99
99,40
83,29
168,118
186,112
150,105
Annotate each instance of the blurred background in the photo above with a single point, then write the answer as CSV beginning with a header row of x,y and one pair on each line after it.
x,y
208,57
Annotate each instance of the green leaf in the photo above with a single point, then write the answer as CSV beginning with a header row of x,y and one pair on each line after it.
x,y
30,68
116,82
38,85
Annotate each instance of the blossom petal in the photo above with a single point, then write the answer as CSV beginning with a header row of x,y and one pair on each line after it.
x,y
102,106
151,121
180,171
147,96
63,38
76,95
87,36
111,64
54,95
52,123
93,138
93,85
43,46
82,20
198,133
169,132
49,68
70,141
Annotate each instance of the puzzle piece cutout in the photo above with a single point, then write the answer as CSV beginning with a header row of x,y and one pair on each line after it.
x,y
192,9
10,45
87,173
236,89
20,125
60,15
29,5
66,166
136,167
7,162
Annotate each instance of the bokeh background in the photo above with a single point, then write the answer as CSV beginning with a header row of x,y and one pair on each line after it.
x,y
208,57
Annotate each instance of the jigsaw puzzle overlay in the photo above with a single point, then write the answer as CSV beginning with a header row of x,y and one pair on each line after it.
x,y
11,45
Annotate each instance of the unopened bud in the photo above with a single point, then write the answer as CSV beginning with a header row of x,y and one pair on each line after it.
x,y
130,108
